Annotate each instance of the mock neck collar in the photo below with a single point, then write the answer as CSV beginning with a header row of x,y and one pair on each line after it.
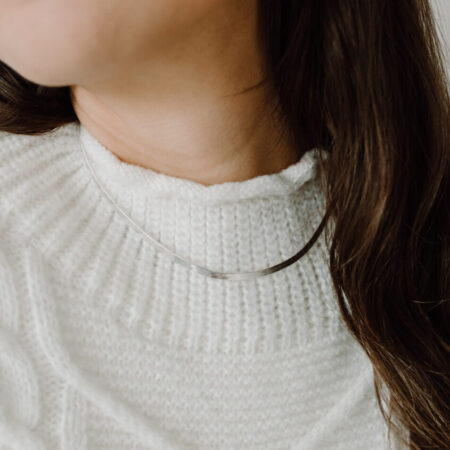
x,y
241,226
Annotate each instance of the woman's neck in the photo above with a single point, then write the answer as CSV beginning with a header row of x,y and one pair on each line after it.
x,y
179,112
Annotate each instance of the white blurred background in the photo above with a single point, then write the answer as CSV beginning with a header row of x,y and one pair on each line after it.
x,y
442,11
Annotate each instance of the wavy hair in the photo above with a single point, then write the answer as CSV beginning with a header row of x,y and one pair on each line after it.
x,y
365,80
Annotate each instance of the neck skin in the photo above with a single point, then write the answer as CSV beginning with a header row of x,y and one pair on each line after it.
x,y
178,112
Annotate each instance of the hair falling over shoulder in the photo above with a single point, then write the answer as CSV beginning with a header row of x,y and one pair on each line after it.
x,y
365,81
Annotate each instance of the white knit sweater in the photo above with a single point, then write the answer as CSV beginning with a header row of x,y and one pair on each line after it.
x,y
105,344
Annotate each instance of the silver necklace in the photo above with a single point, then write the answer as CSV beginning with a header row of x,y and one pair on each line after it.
x,y
200,269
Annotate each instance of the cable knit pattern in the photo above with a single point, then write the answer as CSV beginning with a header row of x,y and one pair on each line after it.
x,y
105,343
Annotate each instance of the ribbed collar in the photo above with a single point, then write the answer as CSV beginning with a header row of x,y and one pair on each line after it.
x,y
236,226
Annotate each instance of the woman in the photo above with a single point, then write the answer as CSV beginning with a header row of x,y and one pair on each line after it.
x,y
225,225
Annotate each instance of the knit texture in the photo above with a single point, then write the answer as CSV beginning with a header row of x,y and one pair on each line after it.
x,y
105,343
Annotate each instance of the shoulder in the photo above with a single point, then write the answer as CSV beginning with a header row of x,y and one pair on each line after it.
x,y
33,169
22,153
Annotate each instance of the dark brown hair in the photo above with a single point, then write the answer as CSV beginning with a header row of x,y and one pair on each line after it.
x,y
365,80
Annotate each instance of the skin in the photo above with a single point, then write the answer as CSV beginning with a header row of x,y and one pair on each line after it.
x,y
157,82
